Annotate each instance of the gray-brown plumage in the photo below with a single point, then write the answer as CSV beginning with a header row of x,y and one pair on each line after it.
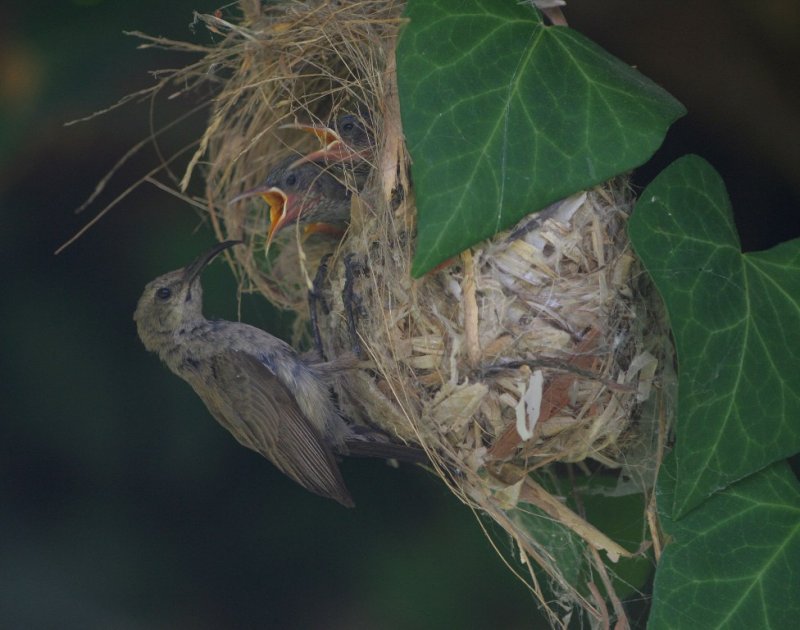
x,y
303,193
272,400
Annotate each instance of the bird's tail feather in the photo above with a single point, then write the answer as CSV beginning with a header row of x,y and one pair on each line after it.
x,y
360,447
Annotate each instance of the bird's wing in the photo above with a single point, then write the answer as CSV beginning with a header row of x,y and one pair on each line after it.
x,y
263,415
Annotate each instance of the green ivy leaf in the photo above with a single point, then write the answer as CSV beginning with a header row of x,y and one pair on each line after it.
x,y
559,541
504,115
621,518
736,321
735,561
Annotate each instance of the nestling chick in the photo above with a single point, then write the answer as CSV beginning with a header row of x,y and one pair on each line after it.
x,y
306,194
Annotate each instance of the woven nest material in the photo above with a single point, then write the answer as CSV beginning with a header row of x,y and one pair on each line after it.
x,y
535,347
536,318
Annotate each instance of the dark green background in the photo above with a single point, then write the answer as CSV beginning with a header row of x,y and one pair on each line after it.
x,y
122,504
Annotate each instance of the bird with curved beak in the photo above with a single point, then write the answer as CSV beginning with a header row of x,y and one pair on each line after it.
x,y
271,399
302,193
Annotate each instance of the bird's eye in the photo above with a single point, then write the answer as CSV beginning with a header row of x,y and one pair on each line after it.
x,y
164,293
348,126
291,179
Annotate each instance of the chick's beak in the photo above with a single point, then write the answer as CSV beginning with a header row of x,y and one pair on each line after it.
x,y
285,209
278,203
278,216
258,190
323,132
333,150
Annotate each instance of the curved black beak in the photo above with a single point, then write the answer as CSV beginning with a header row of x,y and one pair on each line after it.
x,y
196,267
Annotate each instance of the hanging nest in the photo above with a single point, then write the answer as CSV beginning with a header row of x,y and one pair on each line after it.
x,y
538,347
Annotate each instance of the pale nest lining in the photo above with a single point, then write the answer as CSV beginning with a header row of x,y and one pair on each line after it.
x,y
536,319
531,348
